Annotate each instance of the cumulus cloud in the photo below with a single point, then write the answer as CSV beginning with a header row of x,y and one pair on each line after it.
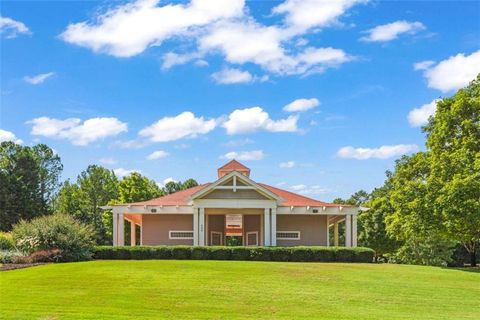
x,y
9,136
244,155
185,125
129,29
39,78
77,132
419,116
452,73
288,164
215,27
157,155
255,119
383,152
301,105
391,31
232,75
121,172
10,28
423,65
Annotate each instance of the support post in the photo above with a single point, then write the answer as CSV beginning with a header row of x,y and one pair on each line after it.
x,y
354,230
201,228
133,233
328,231
348,230
266,226
115,229
121,229
195,226
335,234
274,227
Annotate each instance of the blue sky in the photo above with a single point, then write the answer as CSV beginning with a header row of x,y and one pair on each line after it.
x,y
314,96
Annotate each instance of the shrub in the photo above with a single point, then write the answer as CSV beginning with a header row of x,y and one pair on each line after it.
x,y
40,256
58,231
6,241
181,252
307,254
220,253
10,256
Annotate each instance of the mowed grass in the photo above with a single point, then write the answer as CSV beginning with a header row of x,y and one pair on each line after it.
x,y
157,289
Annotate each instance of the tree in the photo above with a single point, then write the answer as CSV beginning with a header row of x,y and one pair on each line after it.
x,y
453,138
95,187
371,223
28,181
135,188
174,186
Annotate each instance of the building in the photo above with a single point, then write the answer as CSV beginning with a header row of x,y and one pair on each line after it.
x,y
235,210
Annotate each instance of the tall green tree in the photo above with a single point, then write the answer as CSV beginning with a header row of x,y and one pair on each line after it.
x,y
136,187
29,179
95,187
174,186
453,138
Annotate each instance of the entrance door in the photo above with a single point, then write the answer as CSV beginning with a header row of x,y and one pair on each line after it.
x,y
252,238
216,238
234,241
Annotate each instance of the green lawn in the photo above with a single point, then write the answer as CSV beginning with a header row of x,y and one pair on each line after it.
x,y
237,290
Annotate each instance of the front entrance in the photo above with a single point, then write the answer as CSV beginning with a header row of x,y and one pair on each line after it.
x,y
234,227
233,241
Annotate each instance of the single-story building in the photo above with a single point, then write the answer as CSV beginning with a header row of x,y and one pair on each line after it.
x,y
235,210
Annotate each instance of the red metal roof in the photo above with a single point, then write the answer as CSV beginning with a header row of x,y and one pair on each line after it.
x,y
182,198
233,165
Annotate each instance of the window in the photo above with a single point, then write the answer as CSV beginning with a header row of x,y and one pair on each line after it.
x,y
180,234
288,235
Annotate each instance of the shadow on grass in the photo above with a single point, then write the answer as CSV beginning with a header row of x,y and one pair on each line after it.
x,y
468,269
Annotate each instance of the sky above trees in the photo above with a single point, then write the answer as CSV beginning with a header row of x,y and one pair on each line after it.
x,y
317,97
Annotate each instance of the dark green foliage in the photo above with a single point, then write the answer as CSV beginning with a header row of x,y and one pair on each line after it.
x,y
29,178
58,231
305,254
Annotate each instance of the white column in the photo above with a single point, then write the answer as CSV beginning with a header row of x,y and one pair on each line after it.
x,y
328,231
115,229
121,230
195,226
274,227
335,234
348,230
201,231
354,231
266,226
133,233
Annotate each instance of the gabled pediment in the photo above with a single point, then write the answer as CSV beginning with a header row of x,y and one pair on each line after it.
x,y
235,185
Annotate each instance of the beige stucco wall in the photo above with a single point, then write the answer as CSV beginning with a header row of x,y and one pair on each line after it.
x,y
239,194
313,229
155,228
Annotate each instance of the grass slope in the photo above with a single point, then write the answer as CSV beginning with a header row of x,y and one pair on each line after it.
x,y
237,290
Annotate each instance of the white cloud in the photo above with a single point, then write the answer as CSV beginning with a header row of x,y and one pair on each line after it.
x,y
288,164
121,172
232,76
130,144
453,73
255,119
210,27
238,143
9,136
298,187
185,125
302,15
244,155
419,116
391,31
423,65
301,105
10,28
383,152
165,181
157,155
39,78
77,132
129,29
109,161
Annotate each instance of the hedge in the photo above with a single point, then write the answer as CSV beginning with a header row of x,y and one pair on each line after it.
x,y
296,254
